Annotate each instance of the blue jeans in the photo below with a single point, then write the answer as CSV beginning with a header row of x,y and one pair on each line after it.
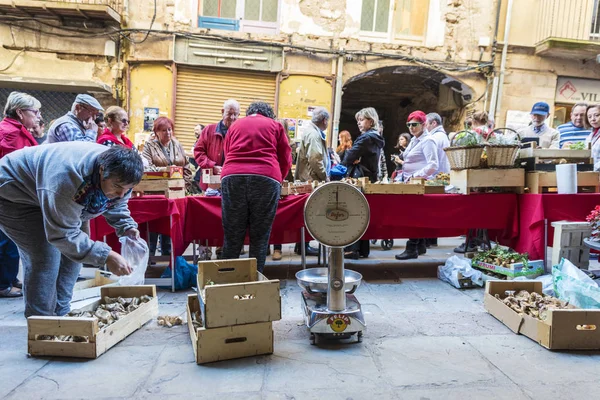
x,y
249,203
49,276
9,261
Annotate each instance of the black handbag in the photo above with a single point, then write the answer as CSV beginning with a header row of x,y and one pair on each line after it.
x,y
356,171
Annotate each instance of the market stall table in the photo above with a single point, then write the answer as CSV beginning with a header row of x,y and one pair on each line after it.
x,y
534,209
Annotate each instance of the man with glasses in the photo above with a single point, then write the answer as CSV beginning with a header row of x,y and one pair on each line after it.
x,y
78,124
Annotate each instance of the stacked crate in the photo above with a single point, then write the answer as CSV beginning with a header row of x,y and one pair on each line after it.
x,y
568,243
237,305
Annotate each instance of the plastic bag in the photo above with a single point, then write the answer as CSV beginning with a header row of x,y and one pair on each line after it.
x,y
574,286
185,274
547,283
136,253
449,271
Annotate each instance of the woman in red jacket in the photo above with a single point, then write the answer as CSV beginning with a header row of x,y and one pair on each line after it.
x,y
257,158
117,124
22,112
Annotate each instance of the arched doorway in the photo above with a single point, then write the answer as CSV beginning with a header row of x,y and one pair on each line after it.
x,y
396,91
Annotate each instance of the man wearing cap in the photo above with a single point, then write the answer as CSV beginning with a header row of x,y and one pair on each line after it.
x,y
78,124
549,138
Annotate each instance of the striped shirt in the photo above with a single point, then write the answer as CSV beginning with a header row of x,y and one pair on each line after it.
x,y
569,133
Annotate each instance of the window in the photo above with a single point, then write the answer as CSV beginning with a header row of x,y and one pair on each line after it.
x,y
218,8
245,15
595,33
394,19
410,18
375,16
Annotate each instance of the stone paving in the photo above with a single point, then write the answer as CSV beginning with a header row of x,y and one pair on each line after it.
x,y
425,340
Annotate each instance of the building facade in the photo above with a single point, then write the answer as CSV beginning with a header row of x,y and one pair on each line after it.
x,y
184,58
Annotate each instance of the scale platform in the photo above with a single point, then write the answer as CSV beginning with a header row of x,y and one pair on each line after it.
x,y
330,324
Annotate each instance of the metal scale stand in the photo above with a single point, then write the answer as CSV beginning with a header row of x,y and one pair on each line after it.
x,y
336,214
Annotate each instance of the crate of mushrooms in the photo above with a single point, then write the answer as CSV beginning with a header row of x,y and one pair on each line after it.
x,y
90,331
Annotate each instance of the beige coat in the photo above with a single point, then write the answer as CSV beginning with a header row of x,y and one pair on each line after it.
x,y
157,157
549,137
311,163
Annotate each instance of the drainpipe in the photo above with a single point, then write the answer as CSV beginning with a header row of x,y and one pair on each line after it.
x,y
496,101
337,105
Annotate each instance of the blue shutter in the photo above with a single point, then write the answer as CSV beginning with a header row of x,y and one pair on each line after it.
x,y
219,23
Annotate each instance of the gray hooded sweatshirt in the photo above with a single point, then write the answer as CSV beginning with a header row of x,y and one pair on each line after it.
x,y
63,181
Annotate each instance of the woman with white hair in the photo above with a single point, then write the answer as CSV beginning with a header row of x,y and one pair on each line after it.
x,y
21,113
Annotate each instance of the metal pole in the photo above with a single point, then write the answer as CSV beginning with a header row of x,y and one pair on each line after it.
x,y
337,104
546,245
302,248
336,295
498,104
172,255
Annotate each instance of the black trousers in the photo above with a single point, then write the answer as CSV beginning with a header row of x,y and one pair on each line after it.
x,y
249,204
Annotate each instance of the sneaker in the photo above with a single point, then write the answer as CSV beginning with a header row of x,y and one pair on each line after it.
x,y
277,255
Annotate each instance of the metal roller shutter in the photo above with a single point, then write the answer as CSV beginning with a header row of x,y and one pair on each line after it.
x,y
201,93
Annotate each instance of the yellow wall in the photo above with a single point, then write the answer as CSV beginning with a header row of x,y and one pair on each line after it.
x,y
151,85
298,92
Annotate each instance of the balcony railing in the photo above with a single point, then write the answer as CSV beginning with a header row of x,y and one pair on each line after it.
x,y
577,20
107,10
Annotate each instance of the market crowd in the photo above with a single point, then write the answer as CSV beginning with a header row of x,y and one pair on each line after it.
x,y
52,183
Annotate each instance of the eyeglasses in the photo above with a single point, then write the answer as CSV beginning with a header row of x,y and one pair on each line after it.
x,y
35,112
91,110
125,121
413,124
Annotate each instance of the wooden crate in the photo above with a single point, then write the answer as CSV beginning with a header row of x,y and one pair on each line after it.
x,y
100,340
233,292
170,188
171,172
91,287
546,159
568,243
435,189
541,182
512,179
390,188
288,188
226,343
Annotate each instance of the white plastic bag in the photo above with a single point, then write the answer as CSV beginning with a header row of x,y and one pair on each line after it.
x,y
547,283
574,286
449,271
136,253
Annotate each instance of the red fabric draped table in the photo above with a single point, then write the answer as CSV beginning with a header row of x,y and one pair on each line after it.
x,y
392,216
534,208
162,215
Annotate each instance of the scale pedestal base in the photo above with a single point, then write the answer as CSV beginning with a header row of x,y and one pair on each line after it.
x,y
332,324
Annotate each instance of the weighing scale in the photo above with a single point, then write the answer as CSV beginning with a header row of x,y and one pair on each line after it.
x,y
336,214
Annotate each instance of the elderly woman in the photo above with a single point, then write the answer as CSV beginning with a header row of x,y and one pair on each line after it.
x,y
117,124
21,114
420,161
46,193
257,158
362,160
164,151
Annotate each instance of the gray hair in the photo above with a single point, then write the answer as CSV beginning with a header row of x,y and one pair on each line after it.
x,y
369,113
580,104
319,115
20,101
434,117
231,103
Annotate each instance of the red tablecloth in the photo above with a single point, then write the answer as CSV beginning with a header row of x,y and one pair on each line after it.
x,y
534,208
392,216
163,216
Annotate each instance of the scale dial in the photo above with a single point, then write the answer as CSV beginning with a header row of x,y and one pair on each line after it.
x,y
336,214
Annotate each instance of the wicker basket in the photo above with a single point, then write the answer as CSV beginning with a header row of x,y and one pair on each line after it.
x,y
462,157
501,155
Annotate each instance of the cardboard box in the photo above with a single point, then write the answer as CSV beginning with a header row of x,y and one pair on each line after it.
x,y
226,343
568,329
99,340
90,288
536,268
240,294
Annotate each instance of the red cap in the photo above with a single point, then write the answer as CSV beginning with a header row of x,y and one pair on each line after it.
x,y
418,116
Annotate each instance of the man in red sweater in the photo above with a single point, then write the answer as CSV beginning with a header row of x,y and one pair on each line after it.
x,y
257,158
208,151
